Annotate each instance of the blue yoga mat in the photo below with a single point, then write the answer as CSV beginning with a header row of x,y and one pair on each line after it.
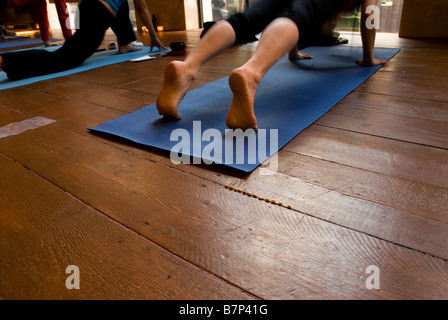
x,y
16,43
289,99
4,41
97,60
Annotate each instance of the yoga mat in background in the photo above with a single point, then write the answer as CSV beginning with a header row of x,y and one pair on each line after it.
x,y
11,38
290,98
97,60
15,43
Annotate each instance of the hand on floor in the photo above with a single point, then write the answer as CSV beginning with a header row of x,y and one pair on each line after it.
x,y
52,44
299,56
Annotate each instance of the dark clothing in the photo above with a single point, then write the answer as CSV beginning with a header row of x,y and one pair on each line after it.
x,y
309,15
95,19
122,26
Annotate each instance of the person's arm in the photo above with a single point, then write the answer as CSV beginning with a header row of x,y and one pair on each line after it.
x,y
368,37
145,16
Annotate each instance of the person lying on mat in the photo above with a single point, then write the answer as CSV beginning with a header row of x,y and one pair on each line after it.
x,y
281,23
96,16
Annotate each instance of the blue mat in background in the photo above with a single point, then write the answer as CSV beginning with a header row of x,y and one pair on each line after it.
x,y
289,99
97,60
12,39
15,43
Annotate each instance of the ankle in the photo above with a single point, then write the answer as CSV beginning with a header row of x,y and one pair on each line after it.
x,y
250,74
192,74
191,71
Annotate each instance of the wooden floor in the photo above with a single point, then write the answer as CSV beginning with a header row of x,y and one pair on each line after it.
x,y
368,185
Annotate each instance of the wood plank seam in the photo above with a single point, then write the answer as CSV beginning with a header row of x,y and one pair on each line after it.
x,y
380,136
128,229
174,167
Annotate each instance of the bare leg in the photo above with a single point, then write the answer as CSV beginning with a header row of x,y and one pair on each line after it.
x,y
279,38
179,75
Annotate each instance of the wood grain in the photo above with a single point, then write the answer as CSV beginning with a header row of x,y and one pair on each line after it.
x,y
45,230
391,157
215,229
367,185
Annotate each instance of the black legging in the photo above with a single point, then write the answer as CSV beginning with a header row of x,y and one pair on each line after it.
x,y
308,15
95,19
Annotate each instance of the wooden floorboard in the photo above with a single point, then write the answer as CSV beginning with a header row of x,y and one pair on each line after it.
x,y
215,228
387,156
45,230
367,185
397,118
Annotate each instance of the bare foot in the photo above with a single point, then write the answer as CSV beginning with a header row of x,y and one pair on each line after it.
x,y
128,48
241,114
176,83
370,63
